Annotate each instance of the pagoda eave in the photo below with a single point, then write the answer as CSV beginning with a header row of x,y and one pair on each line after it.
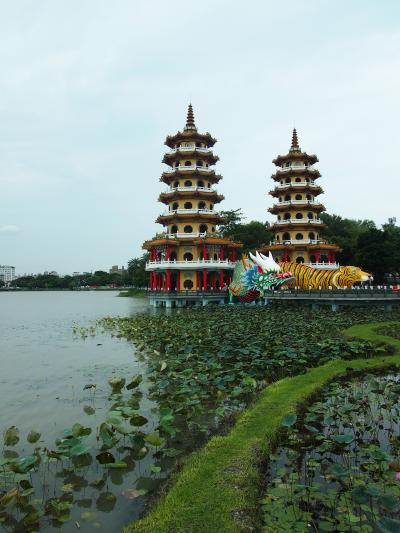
x,y
278,208
292,156
290,188
191,135
209,175
279,174
166,197
218,240
176,217
209,157
298,225
294,246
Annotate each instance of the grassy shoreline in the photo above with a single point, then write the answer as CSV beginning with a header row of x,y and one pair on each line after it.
x,y
133,293
219,486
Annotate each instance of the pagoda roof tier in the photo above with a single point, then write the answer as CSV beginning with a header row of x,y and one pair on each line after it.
x,y
295,154
302,170
194,215
190,135
296,187
203,153
191,192
301,246
190,172
189,238
311,205
295,223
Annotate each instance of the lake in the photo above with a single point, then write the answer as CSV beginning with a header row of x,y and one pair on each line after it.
x,y
44,369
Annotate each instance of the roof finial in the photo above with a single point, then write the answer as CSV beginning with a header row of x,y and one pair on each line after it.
x,y
295,142
190,125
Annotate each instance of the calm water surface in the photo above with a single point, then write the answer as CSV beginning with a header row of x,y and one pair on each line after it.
x,y
44,369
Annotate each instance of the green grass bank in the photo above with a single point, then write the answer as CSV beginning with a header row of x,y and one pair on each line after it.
x,y
218,487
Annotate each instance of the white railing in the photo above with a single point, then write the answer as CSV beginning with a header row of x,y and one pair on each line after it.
x,y
190,189
190,212
296,202
302,184
193,235
299,221
190,265
296,167
186,169
302,241
190,149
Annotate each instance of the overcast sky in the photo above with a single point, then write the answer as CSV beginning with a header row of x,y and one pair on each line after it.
x,y
89,89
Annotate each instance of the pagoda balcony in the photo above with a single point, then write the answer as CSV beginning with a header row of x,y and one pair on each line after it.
x,y
212,264
298,202
189,189
302,241
190,212
297,167
303,184
190,149
193,235
183,168
298,221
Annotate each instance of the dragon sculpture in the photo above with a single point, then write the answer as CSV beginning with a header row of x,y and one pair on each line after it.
x,y
254,275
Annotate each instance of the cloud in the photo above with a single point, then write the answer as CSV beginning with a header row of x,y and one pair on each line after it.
x,y
9,229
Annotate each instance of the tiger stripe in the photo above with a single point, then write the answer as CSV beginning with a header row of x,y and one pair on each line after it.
x,y
307,277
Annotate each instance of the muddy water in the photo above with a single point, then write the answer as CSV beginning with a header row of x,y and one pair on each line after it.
x,y
43,371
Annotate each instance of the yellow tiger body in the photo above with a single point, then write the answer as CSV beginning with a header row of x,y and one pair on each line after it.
x,y
315,278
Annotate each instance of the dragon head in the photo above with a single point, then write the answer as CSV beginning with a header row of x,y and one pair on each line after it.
x,y
265,273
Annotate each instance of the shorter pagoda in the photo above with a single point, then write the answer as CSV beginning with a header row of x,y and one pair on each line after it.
x,y
298,226
189,261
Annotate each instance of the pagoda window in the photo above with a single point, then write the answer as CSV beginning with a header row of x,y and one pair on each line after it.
x,y
298,180
188,229
209,184
188,163
203,228
281,182
188,284
279,217
199,163
280,198
286,216
174,229
298,197
286,236
175,206
299,236
202,205
277,237
288,180
176,184
172,257
299,216
307,180
188,205
198,145
299,260
211,206
310,216
188,256
213,229
309,197
287,198
188,183
311,235
200,183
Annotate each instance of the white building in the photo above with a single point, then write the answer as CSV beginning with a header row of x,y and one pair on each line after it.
x,y
7,273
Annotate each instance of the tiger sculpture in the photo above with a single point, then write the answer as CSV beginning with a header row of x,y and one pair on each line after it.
x,y
307,277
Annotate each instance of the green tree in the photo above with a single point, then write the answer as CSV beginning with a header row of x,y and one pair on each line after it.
x,y
137,272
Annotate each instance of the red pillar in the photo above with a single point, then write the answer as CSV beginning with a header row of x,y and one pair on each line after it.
x,y
168,279
234,254
204,279
318,257
204,251
178,281
221,253
168,252
221,279
197,280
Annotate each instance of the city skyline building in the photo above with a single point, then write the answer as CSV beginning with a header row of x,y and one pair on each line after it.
x,y
7,273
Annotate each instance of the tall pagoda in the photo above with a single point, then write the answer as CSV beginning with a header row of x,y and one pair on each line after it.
x,y
189,261
298,226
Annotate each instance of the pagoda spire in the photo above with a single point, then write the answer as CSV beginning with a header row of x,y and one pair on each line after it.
x,y
295,142
190,125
